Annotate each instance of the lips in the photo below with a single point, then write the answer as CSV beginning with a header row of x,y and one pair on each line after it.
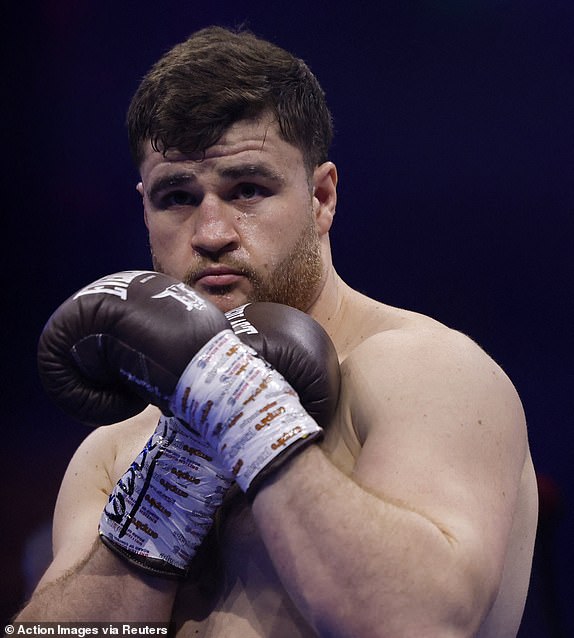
x,y
212,277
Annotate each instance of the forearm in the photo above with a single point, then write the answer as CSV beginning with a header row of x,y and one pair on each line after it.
x,y
356,564
102,588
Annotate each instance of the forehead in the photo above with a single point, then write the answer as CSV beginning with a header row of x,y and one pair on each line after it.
x,y
257,141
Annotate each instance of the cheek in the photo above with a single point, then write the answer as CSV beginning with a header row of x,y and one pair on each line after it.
x,y
168,242
266,245
275,233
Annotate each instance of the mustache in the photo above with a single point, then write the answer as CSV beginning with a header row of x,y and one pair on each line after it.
x,y
195,271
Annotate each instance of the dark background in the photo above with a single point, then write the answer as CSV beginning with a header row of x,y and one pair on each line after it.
x,y
455,148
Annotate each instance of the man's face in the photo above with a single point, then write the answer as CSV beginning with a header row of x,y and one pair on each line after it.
x,y
239,224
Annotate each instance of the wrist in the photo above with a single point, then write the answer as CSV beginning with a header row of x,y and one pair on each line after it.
x,y
293,474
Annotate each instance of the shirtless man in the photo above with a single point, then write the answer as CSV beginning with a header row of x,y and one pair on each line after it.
x,y
416,514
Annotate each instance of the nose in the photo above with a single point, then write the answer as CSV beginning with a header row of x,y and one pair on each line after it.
x,y
214,230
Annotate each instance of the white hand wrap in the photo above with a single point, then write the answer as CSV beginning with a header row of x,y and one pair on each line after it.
x,y
163,506
243,408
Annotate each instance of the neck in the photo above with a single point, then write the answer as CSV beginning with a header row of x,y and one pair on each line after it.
x,y
328,308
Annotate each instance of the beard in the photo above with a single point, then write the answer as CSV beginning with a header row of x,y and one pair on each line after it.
x,y
295,281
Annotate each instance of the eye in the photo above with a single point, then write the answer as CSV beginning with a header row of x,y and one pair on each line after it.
x,y
248,191
178,198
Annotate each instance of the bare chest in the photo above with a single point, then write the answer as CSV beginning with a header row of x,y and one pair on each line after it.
x,y
235,590
239,592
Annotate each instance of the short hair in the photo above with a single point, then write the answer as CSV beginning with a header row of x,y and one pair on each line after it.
x,y
217,77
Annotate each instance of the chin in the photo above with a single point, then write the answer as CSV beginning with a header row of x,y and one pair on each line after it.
x,y
224,301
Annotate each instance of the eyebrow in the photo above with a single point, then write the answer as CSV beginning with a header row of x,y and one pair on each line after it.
x,y
248,170
169,181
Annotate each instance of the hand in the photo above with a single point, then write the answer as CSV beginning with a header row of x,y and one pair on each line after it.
x,y
112,348
246,410
297,347
121,343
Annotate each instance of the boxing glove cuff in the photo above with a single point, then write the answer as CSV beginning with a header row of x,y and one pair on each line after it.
x,y
243,408
163,506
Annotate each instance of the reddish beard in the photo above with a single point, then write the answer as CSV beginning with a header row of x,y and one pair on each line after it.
x,y
295,281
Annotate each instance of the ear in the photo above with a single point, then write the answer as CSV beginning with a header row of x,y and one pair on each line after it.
x,y
140,190
324,195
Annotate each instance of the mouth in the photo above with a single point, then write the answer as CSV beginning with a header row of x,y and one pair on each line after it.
x,y
217,277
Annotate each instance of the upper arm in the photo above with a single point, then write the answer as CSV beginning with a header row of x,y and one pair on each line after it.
x,y
83,494
90,477
443,434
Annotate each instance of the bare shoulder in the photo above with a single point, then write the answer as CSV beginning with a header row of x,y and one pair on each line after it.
x,y
401,346
434,416
418,343
414,364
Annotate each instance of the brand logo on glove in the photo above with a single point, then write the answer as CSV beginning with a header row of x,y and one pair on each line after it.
x,y
157,505
116,285
239,323
173,488
183,294
186,476
205,412
288,435
126,486
237,467
192,451
144,527
266,420
262,386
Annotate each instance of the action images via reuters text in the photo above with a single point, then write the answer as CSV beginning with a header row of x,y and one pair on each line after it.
x,y
89,629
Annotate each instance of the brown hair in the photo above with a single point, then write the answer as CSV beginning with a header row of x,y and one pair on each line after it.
x,y
199,88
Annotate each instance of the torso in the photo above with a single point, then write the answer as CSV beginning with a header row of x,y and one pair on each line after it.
x,y
239,593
